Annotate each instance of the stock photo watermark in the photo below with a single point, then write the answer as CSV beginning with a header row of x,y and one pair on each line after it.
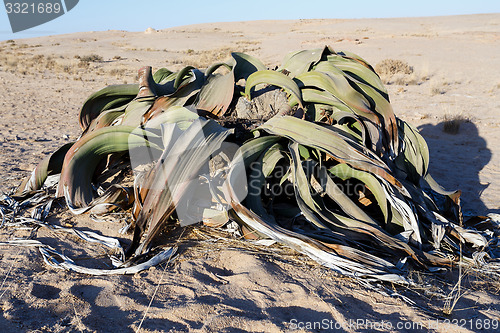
x,y
26,14
475,324
203,188
199,186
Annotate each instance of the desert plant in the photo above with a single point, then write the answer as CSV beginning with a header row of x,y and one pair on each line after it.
x,y
393,71
451,123
322,164
91,58
393,66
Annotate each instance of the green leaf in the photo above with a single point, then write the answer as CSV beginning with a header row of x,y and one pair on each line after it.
x,y
270,158
105,99
344,171
352,56
245,65
83,157
383,110
344,202
50,165
299,62
300,181
179,115
105,119
180,96
358,71
337,146
212,68
136,109
331,80
162,74
178,166
273,78
184,76
217,94
257,173
413,159
315,96
328,78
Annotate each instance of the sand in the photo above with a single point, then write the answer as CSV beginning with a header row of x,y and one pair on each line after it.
x,y
223,286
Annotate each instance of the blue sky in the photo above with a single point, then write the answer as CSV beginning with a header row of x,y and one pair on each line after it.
x,y
138,15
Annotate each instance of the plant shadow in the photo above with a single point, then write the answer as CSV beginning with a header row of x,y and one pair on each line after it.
x,y
456,161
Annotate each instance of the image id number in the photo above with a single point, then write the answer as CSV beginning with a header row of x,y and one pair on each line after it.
x,y
26,8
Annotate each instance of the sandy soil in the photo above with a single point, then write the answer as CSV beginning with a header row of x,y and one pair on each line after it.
x,y
225,286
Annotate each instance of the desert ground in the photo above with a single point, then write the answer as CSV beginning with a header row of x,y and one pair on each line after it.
x,y
223,285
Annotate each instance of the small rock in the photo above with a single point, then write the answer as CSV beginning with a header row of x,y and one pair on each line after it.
x,y
65,136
